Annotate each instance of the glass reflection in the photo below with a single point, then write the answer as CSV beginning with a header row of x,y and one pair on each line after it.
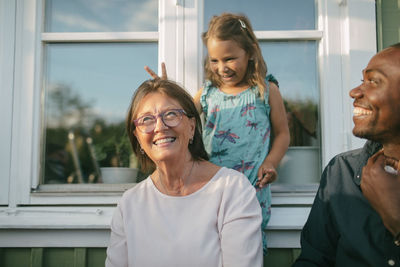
x,y
101,15
267,15
294,64
87,92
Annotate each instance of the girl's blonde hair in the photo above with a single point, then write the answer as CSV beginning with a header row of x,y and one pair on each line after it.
x,y
235,27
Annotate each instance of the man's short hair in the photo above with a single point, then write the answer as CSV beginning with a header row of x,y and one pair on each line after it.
x,y
397,46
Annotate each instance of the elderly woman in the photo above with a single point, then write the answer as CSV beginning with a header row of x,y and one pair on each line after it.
x,y
188,212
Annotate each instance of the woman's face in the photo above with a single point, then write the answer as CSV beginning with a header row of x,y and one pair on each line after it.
x,y
164,143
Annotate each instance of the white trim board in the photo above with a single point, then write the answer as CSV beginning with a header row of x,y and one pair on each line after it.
x,y
100,237
89,226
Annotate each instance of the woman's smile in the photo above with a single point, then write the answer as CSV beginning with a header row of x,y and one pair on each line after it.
x,y
164,140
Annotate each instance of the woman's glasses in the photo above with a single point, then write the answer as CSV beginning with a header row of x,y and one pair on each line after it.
x,y
170,118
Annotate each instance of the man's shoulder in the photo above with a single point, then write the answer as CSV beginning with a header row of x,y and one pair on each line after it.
x,y
351,157
354,153
357,156
349,164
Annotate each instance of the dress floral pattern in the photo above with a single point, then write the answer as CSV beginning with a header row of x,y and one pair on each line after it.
x,y
236,135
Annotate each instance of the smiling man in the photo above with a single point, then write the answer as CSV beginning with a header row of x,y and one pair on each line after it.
x,y
355,218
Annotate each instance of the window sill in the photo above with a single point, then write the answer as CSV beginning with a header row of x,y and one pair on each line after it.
x,y
89,226
293,195
109,194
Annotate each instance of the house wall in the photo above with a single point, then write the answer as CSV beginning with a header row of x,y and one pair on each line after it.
x,y
95,257
388,31
388,23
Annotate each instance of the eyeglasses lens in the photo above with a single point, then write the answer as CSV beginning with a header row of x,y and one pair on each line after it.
x,y
170,118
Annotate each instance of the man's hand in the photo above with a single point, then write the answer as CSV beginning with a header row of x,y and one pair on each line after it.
x,y
154,75
382,190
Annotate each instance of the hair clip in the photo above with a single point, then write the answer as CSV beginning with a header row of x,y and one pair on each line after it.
x,y
242,24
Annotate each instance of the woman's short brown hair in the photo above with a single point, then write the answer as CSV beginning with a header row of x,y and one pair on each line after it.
x,y
176,92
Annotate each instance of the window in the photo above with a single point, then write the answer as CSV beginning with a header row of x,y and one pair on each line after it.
x,y
278,26
76,63
86,83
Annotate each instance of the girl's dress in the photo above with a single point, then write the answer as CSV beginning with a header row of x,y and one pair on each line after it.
x,y
236,135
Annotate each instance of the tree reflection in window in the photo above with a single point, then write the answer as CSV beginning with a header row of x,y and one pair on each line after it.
x,y
78,143
302,119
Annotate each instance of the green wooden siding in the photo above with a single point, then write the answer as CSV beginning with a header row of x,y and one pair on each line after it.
x,y
387,22
52,257
95,257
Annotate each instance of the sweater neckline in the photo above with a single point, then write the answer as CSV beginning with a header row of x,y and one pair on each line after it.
x,y
187,196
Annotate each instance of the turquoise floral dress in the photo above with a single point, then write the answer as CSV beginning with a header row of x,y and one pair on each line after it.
x,y
237,133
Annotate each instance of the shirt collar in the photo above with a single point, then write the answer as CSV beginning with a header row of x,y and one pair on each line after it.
x,y
369,149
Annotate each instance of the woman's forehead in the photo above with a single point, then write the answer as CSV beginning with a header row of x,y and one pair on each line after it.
x,y
156,102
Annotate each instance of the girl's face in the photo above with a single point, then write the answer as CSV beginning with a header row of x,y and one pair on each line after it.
x,y
164,143
228,61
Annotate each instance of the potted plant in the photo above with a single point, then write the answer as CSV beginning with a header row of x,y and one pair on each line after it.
x,y
117,162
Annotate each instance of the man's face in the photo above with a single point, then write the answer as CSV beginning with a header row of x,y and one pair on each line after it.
x,y
376,103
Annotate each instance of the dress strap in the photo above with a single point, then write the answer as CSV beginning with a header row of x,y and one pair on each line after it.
x,y
207,88
269,78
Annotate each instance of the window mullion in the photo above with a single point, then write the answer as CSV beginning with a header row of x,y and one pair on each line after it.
x,y
289,35
100,36
167,43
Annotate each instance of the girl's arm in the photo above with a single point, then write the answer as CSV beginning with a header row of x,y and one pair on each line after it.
x,y
281,137
196,100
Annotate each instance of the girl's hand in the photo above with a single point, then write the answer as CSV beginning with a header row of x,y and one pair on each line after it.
x,y
266,175
154,75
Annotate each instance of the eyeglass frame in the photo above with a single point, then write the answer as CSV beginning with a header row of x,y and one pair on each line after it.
x,y
160,115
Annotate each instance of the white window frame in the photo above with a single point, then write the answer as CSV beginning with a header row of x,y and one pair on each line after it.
x,y
343,51
7,30
29,73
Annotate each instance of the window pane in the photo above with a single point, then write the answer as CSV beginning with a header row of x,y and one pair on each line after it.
x,y
87,92
294,64
266,15
101,15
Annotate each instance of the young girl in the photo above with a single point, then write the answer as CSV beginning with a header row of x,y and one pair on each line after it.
x,y
243,109
245,120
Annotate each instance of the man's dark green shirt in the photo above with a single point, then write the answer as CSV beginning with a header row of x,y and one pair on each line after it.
x,y
343,229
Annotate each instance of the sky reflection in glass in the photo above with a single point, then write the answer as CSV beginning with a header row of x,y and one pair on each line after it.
x,y
294,64
101,15
267,15
105,75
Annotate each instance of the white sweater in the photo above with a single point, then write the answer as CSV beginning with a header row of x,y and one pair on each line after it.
x,y
218,225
